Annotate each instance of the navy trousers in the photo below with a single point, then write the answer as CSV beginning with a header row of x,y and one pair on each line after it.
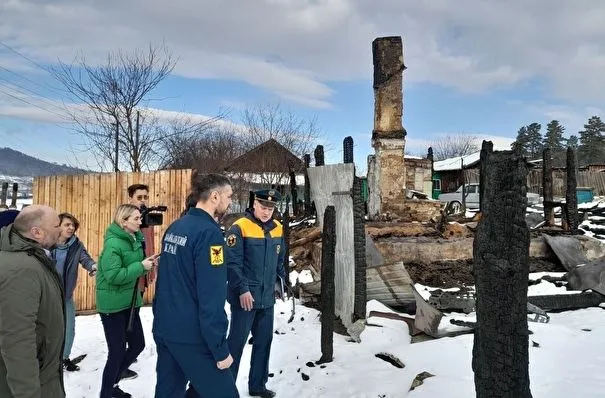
x,y
118,357
260,323
179,363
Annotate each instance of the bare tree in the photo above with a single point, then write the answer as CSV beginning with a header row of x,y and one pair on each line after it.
x,y
453,145
265,121
112,114
207,149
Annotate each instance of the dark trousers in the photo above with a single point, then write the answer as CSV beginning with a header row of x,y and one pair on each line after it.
x,y
179,363
260,323
118,357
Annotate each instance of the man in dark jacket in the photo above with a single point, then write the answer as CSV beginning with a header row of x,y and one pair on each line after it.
x,y
255,257
32,324
190,323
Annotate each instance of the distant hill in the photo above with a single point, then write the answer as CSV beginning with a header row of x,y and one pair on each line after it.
x,y
18,164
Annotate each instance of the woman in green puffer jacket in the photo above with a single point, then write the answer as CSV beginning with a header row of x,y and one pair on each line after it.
x,y
121,264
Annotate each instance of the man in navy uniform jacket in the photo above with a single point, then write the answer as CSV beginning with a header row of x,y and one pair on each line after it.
x,y
190,323
255,256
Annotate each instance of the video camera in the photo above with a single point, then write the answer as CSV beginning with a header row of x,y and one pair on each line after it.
x,y
151,216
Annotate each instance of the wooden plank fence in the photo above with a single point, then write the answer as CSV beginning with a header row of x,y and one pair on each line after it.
x,y
93,198
595,180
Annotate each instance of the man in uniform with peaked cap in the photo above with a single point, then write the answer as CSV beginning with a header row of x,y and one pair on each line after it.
x,y
255,257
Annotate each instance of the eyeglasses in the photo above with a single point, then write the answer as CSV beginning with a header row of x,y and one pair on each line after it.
x,y
142,197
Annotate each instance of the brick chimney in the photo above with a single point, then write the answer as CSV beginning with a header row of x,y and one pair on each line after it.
x,y
386,168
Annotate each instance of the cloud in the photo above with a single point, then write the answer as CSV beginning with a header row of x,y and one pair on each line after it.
x,y
16,104
296,49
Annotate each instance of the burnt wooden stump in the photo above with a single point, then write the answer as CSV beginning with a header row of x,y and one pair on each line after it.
x,y
307,194
570,193
348,149
319,156
286,228
501,257
294,193
359,246
328,289
549,212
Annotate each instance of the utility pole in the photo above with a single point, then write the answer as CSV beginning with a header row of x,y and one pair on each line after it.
x,y
115,165
136,143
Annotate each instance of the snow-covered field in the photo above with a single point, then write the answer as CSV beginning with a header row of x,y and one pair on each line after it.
x,y
567,362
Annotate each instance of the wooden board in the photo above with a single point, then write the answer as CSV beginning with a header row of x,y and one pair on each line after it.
x,y
390,284
568,250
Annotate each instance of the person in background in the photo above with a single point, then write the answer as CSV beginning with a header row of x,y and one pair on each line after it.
x,y
68,253
138,195
255,259
7,217
190,203
189,319
121,263
32,310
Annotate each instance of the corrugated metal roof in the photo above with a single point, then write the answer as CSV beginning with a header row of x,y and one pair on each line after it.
x,y
457,162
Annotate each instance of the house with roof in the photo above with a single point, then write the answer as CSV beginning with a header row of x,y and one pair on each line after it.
x,y
449,174
265,166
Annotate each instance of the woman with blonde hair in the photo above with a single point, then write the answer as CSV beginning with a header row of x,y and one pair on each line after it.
x,y
121,263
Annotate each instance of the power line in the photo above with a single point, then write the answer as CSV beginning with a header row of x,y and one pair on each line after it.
x,y
24,56
45,100
44,86
31,103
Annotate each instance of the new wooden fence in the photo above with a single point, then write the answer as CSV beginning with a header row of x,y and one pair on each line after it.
x,y
93,198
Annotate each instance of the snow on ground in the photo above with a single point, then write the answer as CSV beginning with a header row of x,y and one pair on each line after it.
x,y
304,276
566,355
539,289
567,363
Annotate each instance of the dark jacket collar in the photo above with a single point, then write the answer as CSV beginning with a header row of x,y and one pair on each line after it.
x,y
197,212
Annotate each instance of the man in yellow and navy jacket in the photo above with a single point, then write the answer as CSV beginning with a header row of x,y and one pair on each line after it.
x,y
255,257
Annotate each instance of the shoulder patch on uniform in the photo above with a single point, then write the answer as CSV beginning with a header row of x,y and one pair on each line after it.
x,y
216,255
231,240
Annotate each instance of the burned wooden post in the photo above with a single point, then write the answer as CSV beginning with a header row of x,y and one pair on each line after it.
x,y
307,193
319,155
3,196
501,258
294,193
13,204
571,200
328,303
286,227
347,149
464,187
547,194
250,199
359,245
